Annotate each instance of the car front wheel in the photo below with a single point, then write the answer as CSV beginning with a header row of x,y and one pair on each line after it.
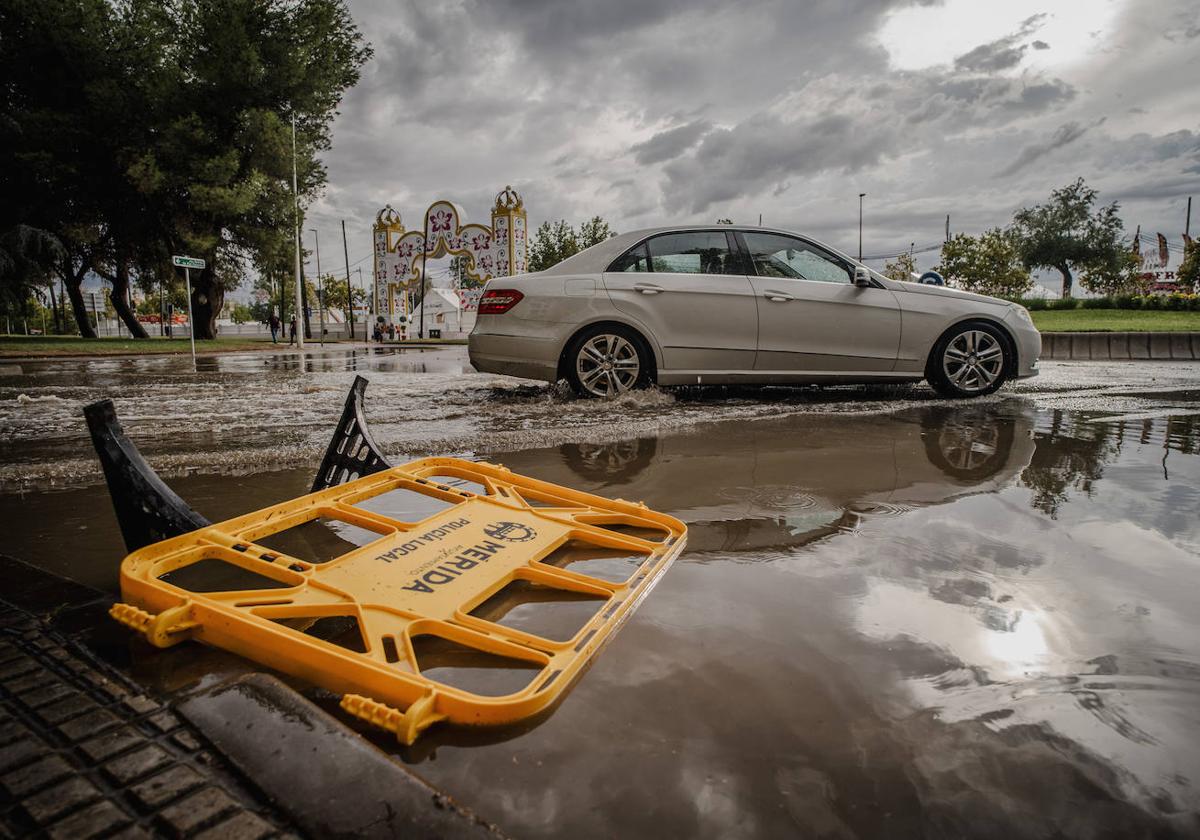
x,y
607,360
970,360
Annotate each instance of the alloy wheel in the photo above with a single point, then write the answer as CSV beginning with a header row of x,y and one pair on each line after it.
x,y
607,364
973,361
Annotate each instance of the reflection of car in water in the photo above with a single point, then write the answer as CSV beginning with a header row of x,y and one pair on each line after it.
x,y
966,444
609,463
786,482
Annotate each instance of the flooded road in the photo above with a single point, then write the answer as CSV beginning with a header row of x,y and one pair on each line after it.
x,y
895,616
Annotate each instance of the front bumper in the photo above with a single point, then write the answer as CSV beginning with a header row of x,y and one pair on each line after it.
x,y
1029,351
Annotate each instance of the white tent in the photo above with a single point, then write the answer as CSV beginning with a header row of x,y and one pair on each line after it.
x,y
444,314
1040,291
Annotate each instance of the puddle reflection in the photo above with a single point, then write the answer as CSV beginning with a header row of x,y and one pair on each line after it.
x,y
970,620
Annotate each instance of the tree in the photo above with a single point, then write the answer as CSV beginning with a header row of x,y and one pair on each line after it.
x,y
242,314
594,231
1066,236
553,243
901,268
1121,274
335,293
989,264
141,129
461,279
56,61
226,158
26,257
1188,275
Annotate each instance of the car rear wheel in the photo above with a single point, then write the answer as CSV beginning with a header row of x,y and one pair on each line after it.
x,y
970,360
607,360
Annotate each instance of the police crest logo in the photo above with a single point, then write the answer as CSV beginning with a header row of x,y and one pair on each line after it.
x,y
510,532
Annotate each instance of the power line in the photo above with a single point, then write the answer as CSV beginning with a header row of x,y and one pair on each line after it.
x,y
924,249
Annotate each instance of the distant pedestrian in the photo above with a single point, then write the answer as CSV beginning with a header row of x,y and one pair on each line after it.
x,y
292,336
275,324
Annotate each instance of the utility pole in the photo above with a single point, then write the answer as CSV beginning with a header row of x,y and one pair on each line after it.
x,y
349,291
947,227
860,208
298,330
366,331
424,258
1187,224
320,287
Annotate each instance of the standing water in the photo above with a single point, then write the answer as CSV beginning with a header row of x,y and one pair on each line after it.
x,y
895,616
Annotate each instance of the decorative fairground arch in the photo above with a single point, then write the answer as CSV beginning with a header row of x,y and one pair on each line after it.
x,y
496,251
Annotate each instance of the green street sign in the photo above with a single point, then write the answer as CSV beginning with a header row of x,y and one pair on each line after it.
x,y
187,262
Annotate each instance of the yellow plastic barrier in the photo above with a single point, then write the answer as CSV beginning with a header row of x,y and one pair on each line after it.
x,y
419,582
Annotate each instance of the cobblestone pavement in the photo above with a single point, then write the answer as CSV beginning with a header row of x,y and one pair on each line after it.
x,y
84,754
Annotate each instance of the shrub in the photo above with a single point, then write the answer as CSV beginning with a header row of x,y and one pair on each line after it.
x,y
1063,303
1096,303
1127,302
1034,304
1151,302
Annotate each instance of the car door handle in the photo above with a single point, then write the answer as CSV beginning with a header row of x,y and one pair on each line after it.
x,y
647,288
778,297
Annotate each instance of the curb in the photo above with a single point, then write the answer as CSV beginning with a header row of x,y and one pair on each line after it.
x,y
1121,346
84,751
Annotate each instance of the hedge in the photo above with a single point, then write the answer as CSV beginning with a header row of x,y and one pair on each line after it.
x,y
1174,302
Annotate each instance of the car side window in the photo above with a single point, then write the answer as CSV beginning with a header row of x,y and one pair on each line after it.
x,y
694,252
635,259
776,255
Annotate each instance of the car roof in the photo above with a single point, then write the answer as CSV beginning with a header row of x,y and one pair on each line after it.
x,y
598,257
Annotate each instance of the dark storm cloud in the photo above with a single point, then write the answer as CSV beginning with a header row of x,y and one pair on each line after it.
x,y
1181,148
987,58
670,143
1065,134
647,111
762,152
1002,53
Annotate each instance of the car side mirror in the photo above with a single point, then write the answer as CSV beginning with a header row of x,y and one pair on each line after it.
x,y
862,277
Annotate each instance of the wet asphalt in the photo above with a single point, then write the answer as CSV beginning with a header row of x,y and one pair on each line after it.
x,y
895,616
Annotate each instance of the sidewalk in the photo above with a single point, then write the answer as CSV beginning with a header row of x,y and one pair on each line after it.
x,y
84,752
19,348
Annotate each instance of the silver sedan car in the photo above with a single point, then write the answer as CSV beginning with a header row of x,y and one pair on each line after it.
x,y
710,305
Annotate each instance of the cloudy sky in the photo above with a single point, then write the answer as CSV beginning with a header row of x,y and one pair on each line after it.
x,y
657,111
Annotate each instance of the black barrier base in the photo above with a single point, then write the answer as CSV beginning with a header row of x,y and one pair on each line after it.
x,y
352,452
148,511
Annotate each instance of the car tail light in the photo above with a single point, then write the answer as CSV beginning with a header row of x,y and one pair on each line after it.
x,y
499,301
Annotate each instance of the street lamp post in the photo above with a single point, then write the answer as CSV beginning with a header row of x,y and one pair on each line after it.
x,y
860,205
361,288
320,287
424,258
298,330
349,291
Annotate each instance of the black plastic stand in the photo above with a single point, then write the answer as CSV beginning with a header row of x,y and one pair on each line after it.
x,y
148,511
352,452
